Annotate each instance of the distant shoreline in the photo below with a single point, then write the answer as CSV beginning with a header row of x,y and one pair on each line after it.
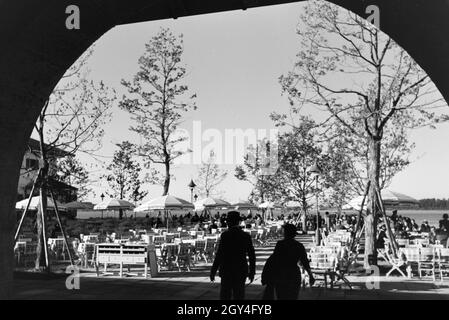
x,y
426,209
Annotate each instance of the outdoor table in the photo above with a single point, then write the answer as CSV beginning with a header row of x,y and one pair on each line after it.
x,y
420,235
90,238
189,241
211,237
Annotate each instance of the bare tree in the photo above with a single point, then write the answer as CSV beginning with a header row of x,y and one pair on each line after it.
x,y
210,176
71,120
365,82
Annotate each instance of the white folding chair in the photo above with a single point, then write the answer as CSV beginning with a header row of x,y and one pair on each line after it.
x,y
426,262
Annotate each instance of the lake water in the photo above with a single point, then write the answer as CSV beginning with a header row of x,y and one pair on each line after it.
x,y
433,216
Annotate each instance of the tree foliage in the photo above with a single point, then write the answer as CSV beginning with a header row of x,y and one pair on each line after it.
x,y
72,172
257,172
124,174
434,204
360,80
298,152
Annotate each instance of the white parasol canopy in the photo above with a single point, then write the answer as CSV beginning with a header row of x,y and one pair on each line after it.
x,y
164,203
389,199
244,206
114,204
269,205
77,205
35,203
209,203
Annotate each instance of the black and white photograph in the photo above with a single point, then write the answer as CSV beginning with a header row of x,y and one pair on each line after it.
x,y
251,150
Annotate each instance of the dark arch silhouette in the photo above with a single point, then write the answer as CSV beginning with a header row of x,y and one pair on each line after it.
x,y
37,49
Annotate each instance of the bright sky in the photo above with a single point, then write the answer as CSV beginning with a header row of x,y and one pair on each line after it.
x,y
234,61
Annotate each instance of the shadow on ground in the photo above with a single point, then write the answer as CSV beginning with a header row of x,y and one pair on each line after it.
x,y
181,287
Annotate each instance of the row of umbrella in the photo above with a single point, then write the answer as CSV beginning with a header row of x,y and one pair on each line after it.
x,y
161,203
168,202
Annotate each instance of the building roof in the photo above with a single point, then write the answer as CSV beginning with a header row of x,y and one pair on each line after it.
x,y
61,185
34,147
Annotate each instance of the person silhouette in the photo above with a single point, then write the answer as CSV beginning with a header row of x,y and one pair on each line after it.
x,y
281,273
234,250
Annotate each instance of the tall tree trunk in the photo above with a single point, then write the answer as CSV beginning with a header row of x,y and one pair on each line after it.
x,y
167,178
42,209
304,213
40,221
122,195
372,208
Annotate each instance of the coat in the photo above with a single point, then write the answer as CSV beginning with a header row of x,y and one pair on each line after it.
x,y
282,266
235,250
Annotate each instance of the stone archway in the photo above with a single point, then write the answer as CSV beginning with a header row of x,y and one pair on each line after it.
x,y
37,48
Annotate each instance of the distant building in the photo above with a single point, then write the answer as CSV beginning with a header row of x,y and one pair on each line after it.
x,y
64,193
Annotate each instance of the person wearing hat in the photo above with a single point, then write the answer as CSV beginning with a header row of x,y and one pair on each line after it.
x,y
380,242
234,250
281,273
425,226
444,224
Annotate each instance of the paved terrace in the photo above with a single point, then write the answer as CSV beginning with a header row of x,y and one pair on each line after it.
x,y
195,285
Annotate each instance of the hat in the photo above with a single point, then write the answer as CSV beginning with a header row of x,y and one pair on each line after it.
x,y
234,216
290,229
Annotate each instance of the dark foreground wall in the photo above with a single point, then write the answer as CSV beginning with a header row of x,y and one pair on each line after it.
x,y
36,49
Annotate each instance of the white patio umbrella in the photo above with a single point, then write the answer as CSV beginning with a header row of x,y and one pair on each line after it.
x,y
77,205
113,205
210,203
244,206
269,206
165,203
389,199
35,203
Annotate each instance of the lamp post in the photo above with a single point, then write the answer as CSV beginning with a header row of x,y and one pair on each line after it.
x,y
195,197
102,199
192,186
316,171
135,196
